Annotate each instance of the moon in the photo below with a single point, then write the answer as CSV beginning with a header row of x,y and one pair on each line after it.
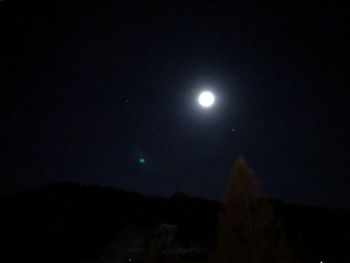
x,y
206,99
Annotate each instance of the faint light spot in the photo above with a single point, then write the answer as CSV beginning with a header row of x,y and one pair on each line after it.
x,y
142,160
233,130
129,259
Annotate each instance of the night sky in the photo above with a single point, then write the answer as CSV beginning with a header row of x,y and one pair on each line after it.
x,y
106,93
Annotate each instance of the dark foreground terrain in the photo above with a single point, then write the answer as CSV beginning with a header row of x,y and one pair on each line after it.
x,y
78,223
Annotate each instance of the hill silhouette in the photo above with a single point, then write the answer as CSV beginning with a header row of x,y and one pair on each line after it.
x,y
71,222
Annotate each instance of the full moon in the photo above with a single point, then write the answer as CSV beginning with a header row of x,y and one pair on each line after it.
x,y
206,99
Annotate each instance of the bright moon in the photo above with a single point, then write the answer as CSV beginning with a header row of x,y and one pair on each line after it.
x,y
206,99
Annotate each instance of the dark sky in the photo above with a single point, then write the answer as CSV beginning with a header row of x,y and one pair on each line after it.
x,y
87,89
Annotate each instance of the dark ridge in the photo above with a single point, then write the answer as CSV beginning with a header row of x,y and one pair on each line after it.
x,y
71,222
